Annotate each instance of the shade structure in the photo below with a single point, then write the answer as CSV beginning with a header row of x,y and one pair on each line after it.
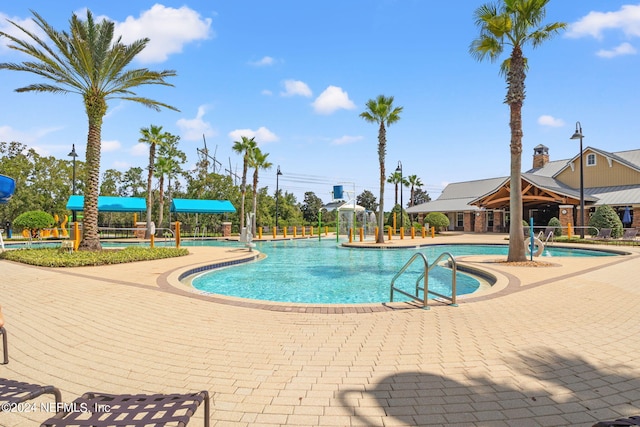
x,y
201,206
110,204
7,187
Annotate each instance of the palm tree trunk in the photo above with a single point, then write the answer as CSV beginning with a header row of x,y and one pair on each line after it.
x,y
90,238
152,155
161,201
255,203
382,151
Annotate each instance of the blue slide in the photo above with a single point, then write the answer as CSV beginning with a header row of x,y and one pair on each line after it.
x,y
7,187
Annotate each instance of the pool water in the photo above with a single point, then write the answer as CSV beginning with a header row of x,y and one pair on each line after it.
x,y
309,271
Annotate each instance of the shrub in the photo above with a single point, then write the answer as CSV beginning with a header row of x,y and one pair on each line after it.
x,y
555,222
34,221
606,217
406,221
437,220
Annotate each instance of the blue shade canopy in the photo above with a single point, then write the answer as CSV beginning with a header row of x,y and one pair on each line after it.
x,y
110,204
201,206
7,187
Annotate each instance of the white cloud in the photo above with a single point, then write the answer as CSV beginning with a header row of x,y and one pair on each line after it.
x,y
167,28
110,146
193,129
332,99
266,92
593,24
546,120
120,165
264,62
623,49
296,87
28,23
140,149
346,139
262,135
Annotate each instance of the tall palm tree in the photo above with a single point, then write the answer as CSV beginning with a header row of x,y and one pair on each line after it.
x,y
244,147
257,160
395,178
413,181
515,24
87,61
169,163
153,136
382,112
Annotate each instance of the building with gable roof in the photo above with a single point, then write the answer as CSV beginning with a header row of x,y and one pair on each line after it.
x,y
549,189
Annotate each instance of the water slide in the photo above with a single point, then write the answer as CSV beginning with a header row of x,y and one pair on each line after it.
x,y
7,187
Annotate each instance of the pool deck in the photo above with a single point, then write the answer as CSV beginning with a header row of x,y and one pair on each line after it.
x,y
547,346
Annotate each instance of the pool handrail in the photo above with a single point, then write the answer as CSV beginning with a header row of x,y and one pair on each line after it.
x,y
424,276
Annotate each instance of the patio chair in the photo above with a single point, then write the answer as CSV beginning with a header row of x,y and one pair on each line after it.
x,y
629,235
5,349
132,410
621,422
603,234
14,392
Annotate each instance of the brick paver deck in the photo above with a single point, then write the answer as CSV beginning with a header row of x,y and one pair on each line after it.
x,y
548,346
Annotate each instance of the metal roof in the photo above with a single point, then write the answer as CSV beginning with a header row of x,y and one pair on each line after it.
x,y
110,204
622,195
201,206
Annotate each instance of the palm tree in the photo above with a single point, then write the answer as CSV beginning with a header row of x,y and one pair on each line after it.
x,y
395,178
514,23
382,112
87,61
257,160
244,147
413,181
153,136
168,163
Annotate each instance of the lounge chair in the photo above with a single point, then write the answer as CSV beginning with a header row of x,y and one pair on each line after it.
x,y
132,410
15,392
603,234
630,235
621,422
5,349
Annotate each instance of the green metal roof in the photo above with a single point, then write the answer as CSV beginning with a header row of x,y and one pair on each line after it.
x,y
110,204
201,206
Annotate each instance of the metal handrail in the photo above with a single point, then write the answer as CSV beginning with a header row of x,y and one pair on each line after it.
x,y
454,273
424,275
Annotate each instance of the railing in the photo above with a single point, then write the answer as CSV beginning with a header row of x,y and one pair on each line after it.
x,y
424,277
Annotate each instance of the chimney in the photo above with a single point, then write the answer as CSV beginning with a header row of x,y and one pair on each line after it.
x,y
540,156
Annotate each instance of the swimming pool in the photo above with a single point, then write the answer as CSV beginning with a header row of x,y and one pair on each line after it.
x,y
308,271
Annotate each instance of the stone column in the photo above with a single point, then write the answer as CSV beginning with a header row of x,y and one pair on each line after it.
x,y
226,229
498,221
636,217
480,221
468,218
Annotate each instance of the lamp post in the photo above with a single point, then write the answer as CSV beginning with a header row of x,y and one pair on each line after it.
x,y
73,184
277,193
578,135
399,169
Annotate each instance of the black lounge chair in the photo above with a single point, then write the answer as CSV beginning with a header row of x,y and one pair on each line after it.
x,y
131,410
603,234
14,392
622,422
5,349
630,234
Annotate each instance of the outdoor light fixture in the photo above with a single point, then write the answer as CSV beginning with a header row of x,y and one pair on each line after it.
x,y
399,170
73,184
578,135
277,195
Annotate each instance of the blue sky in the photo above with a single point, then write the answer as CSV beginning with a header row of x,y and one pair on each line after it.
x,y
296,75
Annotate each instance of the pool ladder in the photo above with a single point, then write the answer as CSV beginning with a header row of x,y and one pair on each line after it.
x,y
424,277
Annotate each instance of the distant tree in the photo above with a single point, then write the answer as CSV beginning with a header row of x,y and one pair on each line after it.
x,y
111,182
168,164
155,137
396,179
513,23
310,207
132,183
258,161
88,61
420,197
367,200
382,112
244,147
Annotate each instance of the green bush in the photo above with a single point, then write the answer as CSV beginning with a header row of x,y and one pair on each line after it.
x,y
34,221
406,220
606,217
555,222
437,220
53,257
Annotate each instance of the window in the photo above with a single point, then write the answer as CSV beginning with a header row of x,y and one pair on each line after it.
x,y
490,219
591,159
460,219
